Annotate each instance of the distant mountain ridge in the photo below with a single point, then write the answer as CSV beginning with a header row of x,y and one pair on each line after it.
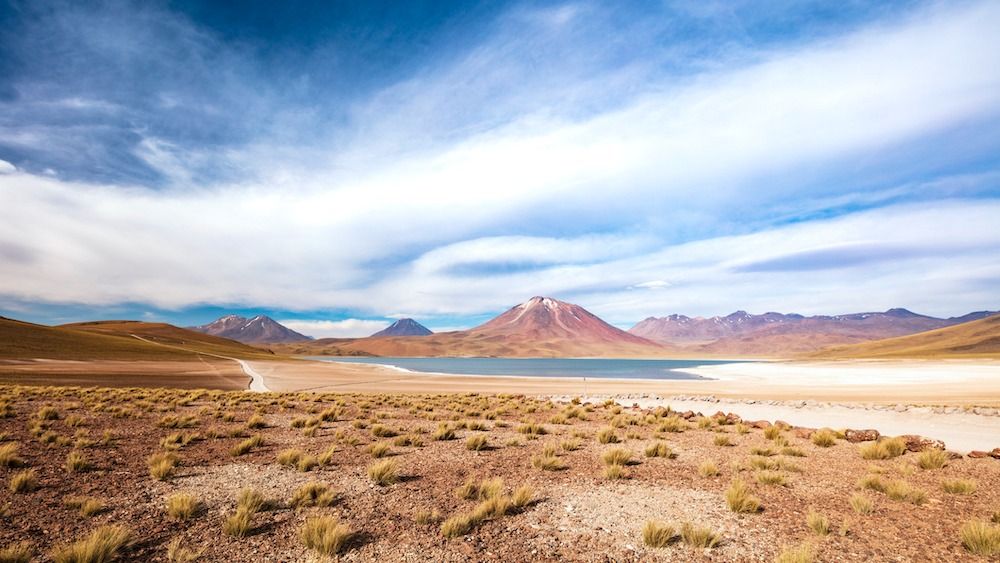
x,y
539,327
777,333
977,338
260,329
403,327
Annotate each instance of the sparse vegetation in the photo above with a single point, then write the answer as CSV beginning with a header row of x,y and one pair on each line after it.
x,y
182,506
932,459
476,443
804,553
19,552
903,491
162,465
76,462
24,481
818,523
384,473
103,544
959,486
658,534
824,438
9,457
886,448
313,494
739,498
87,506
607,436
659,449
708,469
699,537
325,534
862,504
980,538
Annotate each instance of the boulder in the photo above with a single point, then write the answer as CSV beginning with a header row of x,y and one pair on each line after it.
x,y
995,454
916,443
733,418
762,424
856,436
782,424
687,415
977,454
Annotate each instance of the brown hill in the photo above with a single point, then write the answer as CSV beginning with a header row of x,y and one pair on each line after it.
x,y
539,327
979,338
23,341
170,335
777,334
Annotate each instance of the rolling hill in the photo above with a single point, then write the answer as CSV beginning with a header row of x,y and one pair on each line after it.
x,y
171,335
539,327
21,340
980,338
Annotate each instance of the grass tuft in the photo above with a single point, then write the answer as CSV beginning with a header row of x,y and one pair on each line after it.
x,y
739,498
313,494
932,459
818,523
21,552
959,486
699,536
660,449
862,504
980,538
161,465
383,473
24,481
325,534
824,438
182,506
708,468
103,544
658,534
9,457
886,448
804,553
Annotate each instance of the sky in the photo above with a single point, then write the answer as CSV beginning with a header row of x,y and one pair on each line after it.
x,y
338,165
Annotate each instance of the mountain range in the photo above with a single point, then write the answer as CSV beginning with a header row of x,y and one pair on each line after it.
x,y
539,327
777,334
257,330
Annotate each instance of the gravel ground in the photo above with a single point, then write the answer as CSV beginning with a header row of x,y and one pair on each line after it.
x,y
577,515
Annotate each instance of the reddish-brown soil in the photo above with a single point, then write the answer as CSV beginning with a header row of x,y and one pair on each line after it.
x,y
204,372
578,514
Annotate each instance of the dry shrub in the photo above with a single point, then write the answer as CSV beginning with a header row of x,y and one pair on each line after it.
x,y
656,533
739,498
103,544
325,534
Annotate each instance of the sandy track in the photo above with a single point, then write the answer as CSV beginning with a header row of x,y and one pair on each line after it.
x,y
256,379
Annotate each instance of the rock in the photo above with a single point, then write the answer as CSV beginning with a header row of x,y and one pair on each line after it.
x,y
687,415
952,455
916,443
760,424
977,454
856,436
804,433
733,418
995,454
781,423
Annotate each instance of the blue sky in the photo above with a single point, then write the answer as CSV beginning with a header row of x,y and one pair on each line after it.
x,y
341,164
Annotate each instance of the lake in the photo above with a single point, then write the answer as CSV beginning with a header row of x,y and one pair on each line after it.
x,y
538,367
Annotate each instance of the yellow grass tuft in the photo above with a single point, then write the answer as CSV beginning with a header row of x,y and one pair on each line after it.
x,y
103,544
88,506
383,473
862,504
708,468
659,449
24,481
818,523
980,538
76,462
804,553
886,448
9,457
739,498
313,494
656,533
325,534
902,491
182,506
959,486
932,459
699,536
616,456
161,465
20,552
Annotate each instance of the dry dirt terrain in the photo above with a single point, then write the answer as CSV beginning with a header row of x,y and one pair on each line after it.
x,y
580,482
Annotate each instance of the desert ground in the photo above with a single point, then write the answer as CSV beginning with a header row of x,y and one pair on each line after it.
x,y
411,477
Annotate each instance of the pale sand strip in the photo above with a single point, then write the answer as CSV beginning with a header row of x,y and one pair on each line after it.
x,y
909,383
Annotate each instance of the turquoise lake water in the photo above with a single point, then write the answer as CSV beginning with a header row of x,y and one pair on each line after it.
x,y
539,367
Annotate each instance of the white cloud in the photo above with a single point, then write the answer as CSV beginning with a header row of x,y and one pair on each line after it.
x,y
7,168
342,231
347,328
